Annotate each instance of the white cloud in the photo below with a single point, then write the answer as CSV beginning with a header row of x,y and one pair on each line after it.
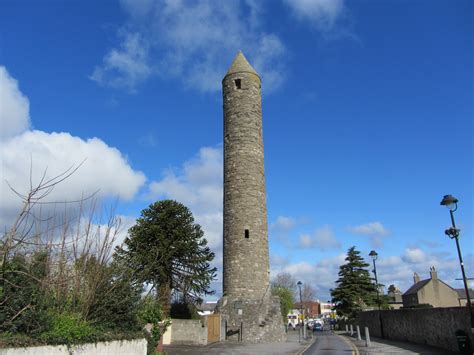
x,y
283,223
399,270
414,255
192,41
125,67
322,14
126,222
322,239
104,168
391,269
198,185
300,270
375,230
320,275
14,107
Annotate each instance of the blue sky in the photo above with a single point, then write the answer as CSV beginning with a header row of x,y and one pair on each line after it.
x,y
367,109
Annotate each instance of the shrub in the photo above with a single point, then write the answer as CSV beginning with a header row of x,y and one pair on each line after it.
x,y
68,328
183,310
23,302
150,313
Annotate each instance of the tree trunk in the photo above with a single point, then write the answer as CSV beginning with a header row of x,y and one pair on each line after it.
x,y
164,297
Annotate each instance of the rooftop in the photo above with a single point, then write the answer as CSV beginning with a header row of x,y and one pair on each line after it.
x,y
462,293
416,287
241,64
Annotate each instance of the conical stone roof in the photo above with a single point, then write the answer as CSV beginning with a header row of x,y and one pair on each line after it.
x,y
240,64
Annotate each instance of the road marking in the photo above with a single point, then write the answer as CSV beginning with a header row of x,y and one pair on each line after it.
x,y
355,351
306,347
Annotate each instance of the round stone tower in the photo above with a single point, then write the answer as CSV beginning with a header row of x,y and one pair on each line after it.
x,y
248,311
246,265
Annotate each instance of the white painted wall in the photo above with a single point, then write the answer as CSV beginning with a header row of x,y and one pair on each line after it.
x,y
135,347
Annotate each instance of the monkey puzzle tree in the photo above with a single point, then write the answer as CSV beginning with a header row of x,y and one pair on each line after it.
x,y
355,289
167,250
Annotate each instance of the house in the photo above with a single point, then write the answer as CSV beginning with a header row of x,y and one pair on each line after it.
x,y
206,308
311,309
432,291
394,297
462,296
326,309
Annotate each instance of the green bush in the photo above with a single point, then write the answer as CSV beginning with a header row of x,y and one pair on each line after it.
x,y
68,328
184,310
116,301
150,312
23,302
286,300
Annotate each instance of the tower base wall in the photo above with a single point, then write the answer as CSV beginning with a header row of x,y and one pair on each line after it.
x,y
251,321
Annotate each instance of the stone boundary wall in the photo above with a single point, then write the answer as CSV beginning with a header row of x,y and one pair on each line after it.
x,y
137,346
189,331
431,326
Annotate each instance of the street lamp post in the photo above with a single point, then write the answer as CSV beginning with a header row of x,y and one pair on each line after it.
x,y
299,283
451,203
373,254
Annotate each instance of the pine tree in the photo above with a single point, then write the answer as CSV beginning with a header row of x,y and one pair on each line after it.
x,y
167,250
355,290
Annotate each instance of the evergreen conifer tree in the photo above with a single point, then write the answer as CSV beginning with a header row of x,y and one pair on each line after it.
x,y
167,250
355,289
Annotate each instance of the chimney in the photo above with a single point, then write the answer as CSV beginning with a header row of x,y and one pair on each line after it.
x,y
433,273
416,278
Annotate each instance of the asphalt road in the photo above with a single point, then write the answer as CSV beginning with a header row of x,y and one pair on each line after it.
x,y
328,343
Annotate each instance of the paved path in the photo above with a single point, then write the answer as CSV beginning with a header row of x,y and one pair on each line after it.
x,y
384,346
293,345
320,343
328,343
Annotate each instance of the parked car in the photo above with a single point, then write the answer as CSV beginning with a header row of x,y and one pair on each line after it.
x,y
318,327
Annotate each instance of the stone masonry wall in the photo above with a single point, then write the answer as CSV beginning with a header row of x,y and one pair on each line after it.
x,y
259,320
246,264
431,326
188,331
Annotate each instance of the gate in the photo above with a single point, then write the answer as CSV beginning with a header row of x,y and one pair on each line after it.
x,y
213,328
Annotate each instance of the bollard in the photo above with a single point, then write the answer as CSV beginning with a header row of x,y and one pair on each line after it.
x,y
304,331
352,330
367,337
347,329
358,333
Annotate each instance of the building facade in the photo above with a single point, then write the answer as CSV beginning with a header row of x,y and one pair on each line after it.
x,y
431,291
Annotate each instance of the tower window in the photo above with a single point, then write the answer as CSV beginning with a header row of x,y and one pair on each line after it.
x,y
247,234
238,83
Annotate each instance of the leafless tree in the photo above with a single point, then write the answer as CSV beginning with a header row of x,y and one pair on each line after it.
x,y
285,280
308,293
73,235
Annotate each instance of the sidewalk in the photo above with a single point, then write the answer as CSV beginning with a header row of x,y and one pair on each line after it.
x,y
385,346
291,346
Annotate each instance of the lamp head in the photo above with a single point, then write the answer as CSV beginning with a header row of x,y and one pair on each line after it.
x,y
452,232
373,254
450,202
299,283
